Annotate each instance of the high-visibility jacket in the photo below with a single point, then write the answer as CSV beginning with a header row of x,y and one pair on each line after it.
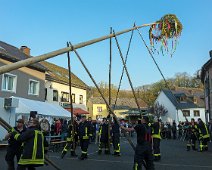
x,y
70,136
203,130
84,130
103,132
156,130
33,147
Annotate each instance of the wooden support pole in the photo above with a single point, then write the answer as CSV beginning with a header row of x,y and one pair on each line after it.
x,y
107,104
32,60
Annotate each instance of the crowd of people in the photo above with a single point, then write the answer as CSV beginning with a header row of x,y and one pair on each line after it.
x,y
106,133
182,130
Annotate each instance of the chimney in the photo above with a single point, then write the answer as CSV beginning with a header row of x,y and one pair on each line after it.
x,y
25,50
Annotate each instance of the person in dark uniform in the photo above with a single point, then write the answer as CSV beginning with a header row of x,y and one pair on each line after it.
x,y
70,140
34,144
84,133
91,129
14,147
156,131
103,133
180,130
204,136
116,138
174,130
143,150
192,135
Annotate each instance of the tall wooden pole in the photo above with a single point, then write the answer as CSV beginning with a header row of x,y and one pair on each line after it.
x,y
109,91
108,106
70,97
70,82
127,73
32,60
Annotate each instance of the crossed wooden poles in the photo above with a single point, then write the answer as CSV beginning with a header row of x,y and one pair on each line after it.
x,y
32,60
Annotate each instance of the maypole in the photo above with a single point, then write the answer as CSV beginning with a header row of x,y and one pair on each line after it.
x,y
32,60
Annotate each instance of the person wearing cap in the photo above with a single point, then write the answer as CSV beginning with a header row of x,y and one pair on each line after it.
x,y
143,151
84,130
14,148
33,149
204,136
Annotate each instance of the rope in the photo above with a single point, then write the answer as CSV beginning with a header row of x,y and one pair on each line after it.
x,y
166,83
153,58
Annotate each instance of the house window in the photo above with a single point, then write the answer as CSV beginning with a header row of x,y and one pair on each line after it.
x,y
81,99
33,87
9,82
182,98
186,113
99,109
195,100
55,95
45,93
98,117
73,98
65,97
196,113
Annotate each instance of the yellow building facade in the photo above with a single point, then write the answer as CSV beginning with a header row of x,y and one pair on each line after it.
x,y
99,111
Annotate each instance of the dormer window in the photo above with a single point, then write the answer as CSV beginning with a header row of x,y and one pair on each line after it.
x,y
182,98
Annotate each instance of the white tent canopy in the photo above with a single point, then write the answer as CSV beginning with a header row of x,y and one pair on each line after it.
x,y
42,108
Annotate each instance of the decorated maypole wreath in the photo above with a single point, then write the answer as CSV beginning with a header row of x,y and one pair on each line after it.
x,y
167,29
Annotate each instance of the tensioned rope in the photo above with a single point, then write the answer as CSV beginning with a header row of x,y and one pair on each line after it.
x,y
166,83
153,58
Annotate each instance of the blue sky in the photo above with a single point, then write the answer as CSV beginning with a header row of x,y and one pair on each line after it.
x,y
46,25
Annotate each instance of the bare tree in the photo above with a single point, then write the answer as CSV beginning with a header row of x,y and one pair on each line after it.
x,y
159,110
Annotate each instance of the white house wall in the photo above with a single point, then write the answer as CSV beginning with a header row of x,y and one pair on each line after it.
x,y
201,110
171,115
174,114
63,88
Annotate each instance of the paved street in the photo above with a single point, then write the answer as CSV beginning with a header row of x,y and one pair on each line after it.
x,y
174,156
